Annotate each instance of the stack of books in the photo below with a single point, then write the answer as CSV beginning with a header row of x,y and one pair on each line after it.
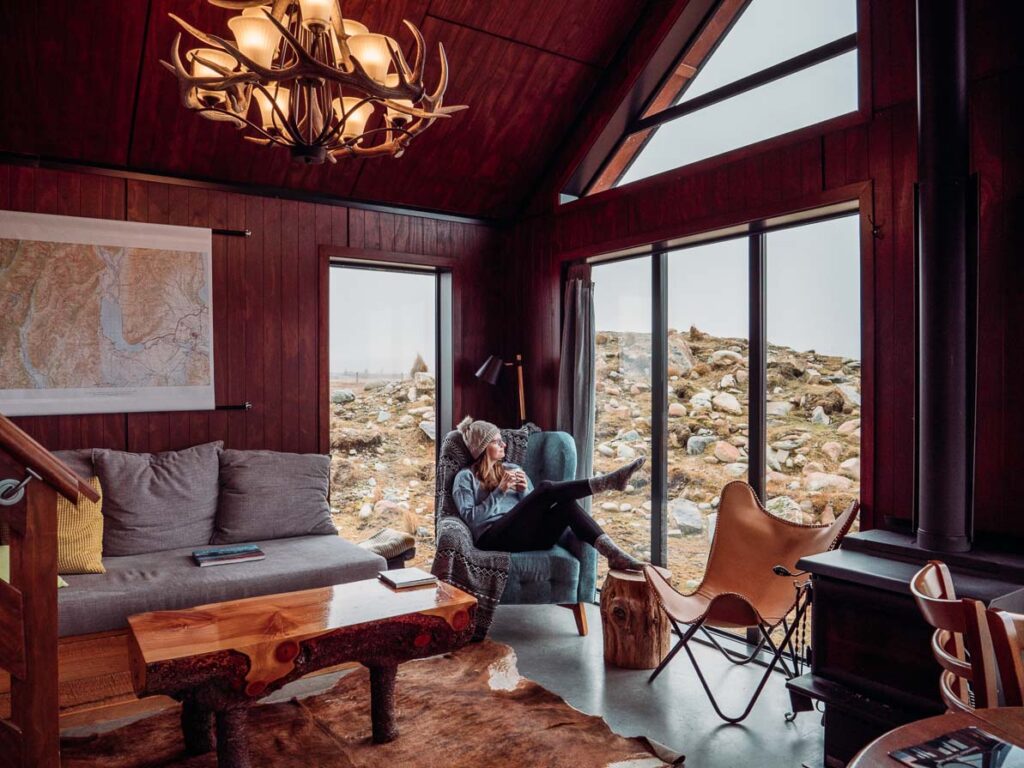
x,y
405,578
236,553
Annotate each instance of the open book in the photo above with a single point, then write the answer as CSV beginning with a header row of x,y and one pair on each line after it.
x,y
970,747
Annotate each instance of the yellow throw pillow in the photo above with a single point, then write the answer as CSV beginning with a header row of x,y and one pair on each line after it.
x,y
80,534
5,566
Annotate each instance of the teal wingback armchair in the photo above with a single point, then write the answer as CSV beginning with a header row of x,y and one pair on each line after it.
x,y
565,575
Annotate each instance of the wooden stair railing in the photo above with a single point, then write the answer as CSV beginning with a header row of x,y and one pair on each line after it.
x,y
28,604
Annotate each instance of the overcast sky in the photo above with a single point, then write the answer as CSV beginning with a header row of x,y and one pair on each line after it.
x,y
380,320
813,297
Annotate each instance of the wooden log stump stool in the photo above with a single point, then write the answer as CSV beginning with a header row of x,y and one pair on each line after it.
x,y
635,628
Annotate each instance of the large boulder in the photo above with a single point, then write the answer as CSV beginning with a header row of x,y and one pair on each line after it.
x,y
687,516
727,403
342,396
349,438
697,444
823,481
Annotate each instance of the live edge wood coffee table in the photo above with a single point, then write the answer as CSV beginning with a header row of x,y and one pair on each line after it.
x,y
219,659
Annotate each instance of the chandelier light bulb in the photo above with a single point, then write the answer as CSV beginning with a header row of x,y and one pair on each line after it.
x,y
316,14
357,116
394,115
269,117
371,50
256,35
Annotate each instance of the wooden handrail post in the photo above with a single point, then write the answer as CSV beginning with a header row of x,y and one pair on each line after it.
x,y
34,699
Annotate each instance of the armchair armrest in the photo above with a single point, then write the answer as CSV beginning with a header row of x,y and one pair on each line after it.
x,y
478,572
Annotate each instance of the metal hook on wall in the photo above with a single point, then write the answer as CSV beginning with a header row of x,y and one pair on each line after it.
x,y
876,229
12,491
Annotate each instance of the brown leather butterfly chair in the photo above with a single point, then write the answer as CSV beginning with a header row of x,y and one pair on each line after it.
x,y
1007,630
751,582
961,643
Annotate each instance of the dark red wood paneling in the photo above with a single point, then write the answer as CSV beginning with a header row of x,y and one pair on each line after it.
x,y
269,346
587,31
69,77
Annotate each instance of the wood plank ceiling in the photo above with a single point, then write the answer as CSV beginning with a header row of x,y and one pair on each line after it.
x,y
83,83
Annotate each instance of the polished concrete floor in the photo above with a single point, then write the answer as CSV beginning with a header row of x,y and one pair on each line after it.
x,y
672,710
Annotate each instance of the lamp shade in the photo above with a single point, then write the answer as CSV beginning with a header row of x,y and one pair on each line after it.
x,y
256,35
490,370
372,52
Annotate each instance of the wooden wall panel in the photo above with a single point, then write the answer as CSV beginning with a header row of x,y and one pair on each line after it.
x,y
266,293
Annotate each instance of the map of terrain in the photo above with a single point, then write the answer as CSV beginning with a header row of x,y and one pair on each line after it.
x,y
77,316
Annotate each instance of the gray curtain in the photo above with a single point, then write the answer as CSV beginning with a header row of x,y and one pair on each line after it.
x,y
576,371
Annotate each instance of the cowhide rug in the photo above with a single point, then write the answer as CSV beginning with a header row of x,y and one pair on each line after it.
x,y
470,708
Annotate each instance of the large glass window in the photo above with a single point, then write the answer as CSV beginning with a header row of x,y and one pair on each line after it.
x,y
769,68
807,353
814,394
707,379
622,424
383,410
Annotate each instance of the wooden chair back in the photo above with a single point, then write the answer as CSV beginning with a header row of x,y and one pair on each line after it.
x,y
1007,631
961,644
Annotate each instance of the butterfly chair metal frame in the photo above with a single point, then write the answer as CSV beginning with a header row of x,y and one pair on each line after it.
x,y
753,554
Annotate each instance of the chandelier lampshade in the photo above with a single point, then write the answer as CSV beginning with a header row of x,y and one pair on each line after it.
x,y
256,34
298,74
316,14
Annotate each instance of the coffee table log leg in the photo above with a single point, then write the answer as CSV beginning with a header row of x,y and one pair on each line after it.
x,y
233,738
196,727
382,703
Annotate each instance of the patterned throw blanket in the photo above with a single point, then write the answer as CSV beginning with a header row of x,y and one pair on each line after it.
x,y
457,560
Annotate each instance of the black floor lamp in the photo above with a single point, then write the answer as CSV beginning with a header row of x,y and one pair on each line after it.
x,y
490,372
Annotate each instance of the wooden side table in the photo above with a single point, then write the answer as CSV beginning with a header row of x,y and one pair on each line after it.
x,y
635,629
1005,722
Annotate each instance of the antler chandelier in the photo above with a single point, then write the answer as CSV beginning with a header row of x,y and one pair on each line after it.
x,y
317,80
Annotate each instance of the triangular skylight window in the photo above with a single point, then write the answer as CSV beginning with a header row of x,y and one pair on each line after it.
x,y
779,66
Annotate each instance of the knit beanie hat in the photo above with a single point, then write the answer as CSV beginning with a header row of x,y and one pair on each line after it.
x,y
477,434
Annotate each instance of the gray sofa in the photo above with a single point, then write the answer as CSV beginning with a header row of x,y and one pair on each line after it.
x,y
152,533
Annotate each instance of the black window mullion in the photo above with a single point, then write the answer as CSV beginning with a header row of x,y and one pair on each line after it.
x,y
749,83
757,381
659,407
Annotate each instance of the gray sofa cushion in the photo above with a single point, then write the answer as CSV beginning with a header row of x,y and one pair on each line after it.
x,y
272,495
79,461
165,581
157,501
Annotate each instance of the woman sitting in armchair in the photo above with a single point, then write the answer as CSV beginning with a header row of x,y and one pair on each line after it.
x,y
506,513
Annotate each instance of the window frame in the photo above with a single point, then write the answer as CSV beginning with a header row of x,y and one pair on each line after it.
x,y
654,111
442,268
755,232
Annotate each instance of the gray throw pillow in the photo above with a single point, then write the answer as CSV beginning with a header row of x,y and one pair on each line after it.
x,y
157,501
272,495
79,461
517,441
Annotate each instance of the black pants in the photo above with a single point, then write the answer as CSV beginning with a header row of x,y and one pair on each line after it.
x,y
540,519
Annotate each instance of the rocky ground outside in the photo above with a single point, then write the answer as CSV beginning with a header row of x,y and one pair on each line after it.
x,y
382,443
813,437
382,458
